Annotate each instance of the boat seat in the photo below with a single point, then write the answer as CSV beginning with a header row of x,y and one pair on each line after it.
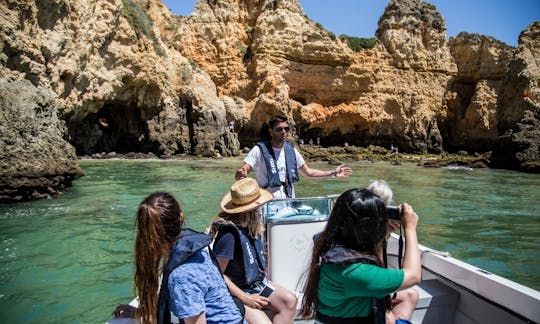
x,y
290,243
289,247
437,303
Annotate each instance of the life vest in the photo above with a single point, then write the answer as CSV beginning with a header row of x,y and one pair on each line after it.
x,y
252,252
189,243
346,257
271,166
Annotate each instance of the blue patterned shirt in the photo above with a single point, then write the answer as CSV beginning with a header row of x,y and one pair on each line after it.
x,y
197,286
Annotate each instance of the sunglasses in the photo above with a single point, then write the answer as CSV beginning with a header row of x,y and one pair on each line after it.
x,y
279,129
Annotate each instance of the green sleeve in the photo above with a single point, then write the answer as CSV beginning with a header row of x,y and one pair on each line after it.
x,y
362,280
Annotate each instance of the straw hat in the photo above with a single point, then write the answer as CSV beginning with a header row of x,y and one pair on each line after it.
x,y
245,195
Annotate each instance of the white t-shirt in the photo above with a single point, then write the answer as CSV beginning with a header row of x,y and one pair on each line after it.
x,y
256,160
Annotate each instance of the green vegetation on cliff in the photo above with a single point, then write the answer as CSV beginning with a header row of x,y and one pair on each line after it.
x,y
141,22
358,43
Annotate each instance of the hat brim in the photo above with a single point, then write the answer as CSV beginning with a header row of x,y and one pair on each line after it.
x,y
229,207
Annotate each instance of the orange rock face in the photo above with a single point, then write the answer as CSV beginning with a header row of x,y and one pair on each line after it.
x,y
278,61
169,85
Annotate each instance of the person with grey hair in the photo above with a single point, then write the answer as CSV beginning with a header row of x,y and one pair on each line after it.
x,y
407,297
382,189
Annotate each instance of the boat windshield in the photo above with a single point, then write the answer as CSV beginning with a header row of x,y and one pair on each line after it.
x,y
313,208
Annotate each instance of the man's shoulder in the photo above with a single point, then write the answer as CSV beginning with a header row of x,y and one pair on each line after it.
x,y
259,146
254,152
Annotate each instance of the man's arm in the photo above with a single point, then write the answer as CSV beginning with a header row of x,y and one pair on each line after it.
x,y
243,171
251,160
341,171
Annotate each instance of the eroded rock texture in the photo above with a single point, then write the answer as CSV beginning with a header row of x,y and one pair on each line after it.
x,y
128,76
35,160
115,85
472,98
518,112
413,89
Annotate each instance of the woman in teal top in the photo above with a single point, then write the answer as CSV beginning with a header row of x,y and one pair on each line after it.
x,y
348,281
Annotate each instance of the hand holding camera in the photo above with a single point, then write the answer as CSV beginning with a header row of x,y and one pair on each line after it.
x,y
393,213
403,213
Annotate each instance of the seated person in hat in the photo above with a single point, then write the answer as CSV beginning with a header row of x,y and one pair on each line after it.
x,y
239,251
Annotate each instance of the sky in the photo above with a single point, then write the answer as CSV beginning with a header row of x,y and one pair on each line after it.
x,y
501,19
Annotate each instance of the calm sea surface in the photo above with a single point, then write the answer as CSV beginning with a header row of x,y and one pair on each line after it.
x,y
69,259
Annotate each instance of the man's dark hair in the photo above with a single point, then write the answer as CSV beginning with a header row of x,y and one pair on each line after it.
x,y
276,119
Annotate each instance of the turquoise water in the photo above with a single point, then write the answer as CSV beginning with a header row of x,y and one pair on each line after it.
x,y
69,259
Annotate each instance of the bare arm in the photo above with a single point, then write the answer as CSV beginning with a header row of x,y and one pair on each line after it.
x,y
412,264
341,171
250,300
199,319
243,171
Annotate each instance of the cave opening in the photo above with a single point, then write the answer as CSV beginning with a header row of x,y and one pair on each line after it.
x,y
116,127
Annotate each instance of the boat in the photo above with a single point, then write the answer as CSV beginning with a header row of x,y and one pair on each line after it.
x,y
451,291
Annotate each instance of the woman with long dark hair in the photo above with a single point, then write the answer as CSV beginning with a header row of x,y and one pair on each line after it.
x,y
192,287
348,281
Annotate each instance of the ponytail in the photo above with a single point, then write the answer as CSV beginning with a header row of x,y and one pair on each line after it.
x,y
158,223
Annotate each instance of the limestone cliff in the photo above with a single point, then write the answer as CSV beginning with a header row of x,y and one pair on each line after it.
x,y
128,76
114,84
413,89
35,160
117,85
276,60
471,101
518,146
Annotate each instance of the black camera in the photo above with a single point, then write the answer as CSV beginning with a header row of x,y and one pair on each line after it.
x,y
392,212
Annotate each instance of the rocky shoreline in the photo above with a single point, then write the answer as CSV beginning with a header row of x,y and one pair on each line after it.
x,y
336,155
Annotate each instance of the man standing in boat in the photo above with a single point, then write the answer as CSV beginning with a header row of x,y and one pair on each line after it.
x,y
277,162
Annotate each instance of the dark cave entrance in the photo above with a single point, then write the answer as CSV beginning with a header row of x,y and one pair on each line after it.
x,y
116,127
